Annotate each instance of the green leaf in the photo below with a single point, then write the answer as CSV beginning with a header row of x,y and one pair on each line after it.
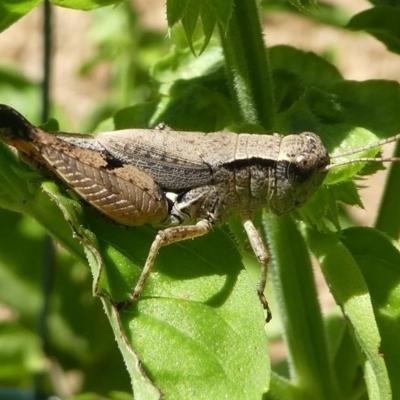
x,y
175,11
304,99
208,23
217,11
325,13
137,116
350,291
379,258
72,212
188,99
381,22
392,3
222,10
317,104
190,87
11,11
347,192
324,204
180,64
84,4
190,18
196,318
379,99
51,125
309,68
189,12
345,351
355,138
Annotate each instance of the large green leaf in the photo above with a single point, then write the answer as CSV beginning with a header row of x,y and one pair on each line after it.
x,y
381,22
189,12
190,87
346,281
392,3
12,10
379,260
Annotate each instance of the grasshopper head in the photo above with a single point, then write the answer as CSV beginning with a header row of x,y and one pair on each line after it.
x,y
300,171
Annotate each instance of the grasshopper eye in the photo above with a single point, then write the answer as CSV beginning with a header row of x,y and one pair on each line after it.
x,y
303,163
300,170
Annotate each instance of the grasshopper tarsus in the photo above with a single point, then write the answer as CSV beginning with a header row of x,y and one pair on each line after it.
x,y
123,305
265,305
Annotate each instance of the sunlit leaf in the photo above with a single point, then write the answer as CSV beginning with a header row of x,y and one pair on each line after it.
x,y
381,22
11,11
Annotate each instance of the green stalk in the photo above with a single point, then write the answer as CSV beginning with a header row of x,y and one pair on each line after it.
x,y
48,263
294,288
247,66
47,47
249,76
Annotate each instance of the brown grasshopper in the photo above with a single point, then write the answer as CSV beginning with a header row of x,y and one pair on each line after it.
x,y
183,182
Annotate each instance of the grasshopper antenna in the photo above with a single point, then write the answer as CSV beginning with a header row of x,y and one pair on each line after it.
x,y
364,159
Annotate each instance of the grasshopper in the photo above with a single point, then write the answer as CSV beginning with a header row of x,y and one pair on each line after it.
x,y
182,182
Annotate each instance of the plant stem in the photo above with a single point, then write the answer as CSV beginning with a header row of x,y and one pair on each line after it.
x,y
46,60
247,66
48,247
294,288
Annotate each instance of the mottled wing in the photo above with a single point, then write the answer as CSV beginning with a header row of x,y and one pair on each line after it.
x,y
172,159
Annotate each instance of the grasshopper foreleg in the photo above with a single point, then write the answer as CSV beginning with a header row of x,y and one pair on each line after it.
x,y
263,258
164,238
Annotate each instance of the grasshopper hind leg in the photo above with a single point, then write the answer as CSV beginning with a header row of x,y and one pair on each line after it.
x,y
164,238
